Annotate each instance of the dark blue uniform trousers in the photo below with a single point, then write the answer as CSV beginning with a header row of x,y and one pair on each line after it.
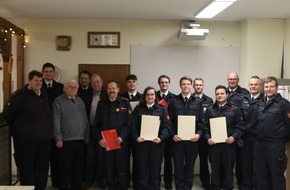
x,y
149,159
248,163
184,156
270,162
116,167
222,157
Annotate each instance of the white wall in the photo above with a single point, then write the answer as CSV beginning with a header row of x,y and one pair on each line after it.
x,y
41,40
261,47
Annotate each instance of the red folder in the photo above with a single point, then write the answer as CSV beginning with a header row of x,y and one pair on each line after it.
x,y
109,136
163,103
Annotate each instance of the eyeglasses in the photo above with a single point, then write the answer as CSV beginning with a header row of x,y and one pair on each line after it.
x,y
232,79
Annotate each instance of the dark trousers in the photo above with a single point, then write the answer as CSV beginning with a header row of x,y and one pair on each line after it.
x,y
222,158
270,162
184,156
168,166
132,171
116,167
204,175
239,166
32,159
95,165
149,159
71,159
53,164
248,163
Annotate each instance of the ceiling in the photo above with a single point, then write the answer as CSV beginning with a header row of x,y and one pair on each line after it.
x,y
139,9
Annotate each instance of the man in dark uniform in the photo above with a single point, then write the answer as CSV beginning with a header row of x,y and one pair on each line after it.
x,y
164,96
27,113
185,152
53,89
94,169
133,96
235,92
84,82
222,155
273,129
115,113
132,83
235,97
204,175
250,112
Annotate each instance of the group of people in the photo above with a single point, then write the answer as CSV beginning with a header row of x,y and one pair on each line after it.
x,y
63,124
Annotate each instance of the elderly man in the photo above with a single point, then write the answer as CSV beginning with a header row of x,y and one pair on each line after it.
x,y
94,169
71,133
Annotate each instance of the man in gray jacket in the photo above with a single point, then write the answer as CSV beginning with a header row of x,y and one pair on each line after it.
x,y
71,132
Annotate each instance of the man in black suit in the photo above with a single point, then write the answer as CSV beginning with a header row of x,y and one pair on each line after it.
x,y
204,175
53,89
164,96
84,82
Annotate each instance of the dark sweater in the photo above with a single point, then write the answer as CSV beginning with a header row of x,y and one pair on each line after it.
x,y
28,116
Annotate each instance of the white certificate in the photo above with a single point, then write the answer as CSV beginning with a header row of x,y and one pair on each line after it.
x,y
149,127
218,129
186,126
134,104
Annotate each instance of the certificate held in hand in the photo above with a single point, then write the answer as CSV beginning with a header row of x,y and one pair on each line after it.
x,y
149,127
109,136
218,129
186,127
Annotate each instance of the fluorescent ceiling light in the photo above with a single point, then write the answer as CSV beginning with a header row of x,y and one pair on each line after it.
x,y
214,8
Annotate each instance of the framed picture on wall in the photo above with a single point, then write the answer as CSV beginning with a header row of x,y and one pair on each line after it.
x,y
63,43
103,39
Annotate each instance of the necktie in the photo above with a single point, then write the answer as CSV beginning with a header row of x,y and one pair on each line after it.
x,y
185,99
73,100
49,85
131,97
163,96
252,99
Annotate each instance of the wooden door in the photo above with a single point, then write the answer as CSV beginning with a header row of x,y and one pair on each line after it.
x,y
109,72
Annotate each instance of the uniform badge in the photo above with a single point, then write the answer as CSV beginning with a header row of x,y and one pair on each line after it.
x,y
167,116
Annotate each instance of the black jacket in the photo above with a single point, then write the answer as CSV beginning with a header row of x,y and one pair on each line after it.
x,y
177,106
55,90
236,97
233,116
274,119
249,110
29,116
137,97
87,97
113,115
156,110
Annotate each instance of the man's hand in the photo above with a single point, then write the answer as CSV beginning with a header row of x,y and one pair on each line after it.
x,y
176,138
59,144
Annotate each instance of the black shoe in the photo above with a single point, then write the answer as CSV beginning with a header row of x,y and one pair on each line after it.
x,y
206,187
85,186
102,185
168,186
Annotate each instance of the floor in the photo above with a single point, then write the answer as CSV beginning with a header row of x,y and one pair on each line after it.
x,y
196,185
